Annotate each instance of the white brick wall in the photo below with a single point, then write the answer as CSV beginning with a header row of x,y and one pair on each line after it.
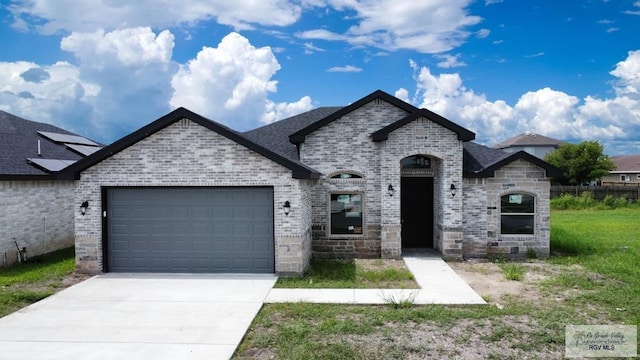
x,y
38,214
187,154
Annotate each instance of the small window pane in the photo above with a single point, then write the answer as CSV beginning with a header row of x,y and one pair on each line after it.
x,y
517,224
416,162
346,176
346,213
518,203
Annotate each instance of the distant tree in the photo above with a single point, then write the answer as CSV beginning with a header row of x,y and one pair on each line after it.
x,y
581,163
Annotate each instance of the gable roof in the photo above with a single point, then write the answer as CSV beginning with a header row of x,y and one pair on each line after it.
x,y
627,163
529,139
275,136
298,137
19,158
463,134
481,161
299,171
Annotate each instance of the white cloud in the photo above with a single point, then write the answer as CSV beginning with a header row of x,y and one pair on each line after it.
x,y
345,69
230,84
425,26
126,78
88,15
483,33
534,55
402,94
57,93
309,48
628,74
132,70
450,61
129,47
546,111
278,111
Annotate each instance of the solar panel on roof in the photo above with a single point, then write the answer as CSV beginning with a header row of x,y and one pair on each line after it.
x,y
66,138
51,164
83,149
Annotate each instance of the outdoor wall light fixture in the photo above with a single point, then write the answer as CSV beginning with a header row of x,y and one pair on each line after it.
x,y
287,208
391,190
83,207
453,190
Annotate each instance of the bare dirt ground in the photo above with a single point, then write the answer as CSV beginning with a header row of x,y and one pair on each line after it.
x,y
488,280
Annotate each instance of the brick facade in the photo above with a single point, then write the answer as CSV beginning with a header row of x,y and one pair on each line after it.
x,y
345,145
466,224
38,214
482,235
188,154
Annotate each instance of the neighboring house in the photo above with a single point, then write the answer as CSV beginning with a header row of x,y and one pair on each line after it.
x,y
535,144
627,170
186,194
36,210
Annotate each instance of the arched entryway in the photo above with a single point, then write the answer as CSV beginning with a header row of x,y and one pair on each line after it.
x,y
416,202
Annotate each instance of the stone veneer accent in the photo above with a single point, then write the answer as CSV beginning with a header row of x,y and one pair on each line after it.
x,y
482,235
38,214
187,154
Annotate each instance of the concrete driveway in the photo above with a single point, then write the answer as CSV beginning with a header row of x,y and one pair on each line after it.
x,y
118,316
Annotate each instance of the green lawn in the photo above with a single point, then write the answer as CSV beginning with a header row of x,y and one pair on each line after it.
x,y
26,283
593,277
606,242
365,273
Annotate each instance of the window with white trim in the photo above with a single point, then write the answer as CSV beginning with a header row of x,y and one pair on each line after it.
x,y
624,178
517,214
346,214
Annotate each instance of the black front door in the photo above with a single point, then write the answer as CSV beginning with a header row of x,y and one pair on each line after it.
x,y
416,212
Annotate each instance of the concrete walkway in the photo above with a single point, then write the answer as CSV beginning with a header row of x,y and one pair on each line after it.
x,y
164,316
125,316
439,284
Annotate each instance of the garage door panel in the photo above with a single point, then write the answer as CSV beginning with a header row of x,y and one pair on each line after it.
x,y
190,230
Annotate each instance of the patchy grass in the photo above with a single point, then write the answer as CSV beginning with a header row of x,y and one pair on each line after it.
x,y
26,283
593,277
358,273
513,271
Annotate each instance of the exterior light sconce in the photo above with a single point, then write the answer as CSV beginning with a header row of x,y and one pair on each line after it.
x,y
83,207
391,190
287,208
453,190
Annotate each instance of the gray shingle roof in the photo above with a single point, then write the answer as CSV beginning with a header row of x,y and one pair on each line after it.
x,y
275,136
629,163
482,161
19,141
529,139
298,170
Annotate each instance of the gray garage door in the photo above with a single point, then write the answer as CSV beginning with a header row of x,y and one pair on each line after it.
x,y
190,230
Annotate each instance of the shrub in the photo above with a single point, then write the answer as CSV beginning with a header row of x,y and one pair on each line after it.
x,y
586,201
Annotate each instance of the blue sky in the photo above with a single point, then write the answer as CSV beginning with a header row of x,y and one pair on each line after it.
x,y
103,68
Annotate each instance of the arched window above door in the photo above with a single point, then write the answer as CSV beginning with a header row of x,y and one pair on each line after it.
x,y
416,162
346,175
